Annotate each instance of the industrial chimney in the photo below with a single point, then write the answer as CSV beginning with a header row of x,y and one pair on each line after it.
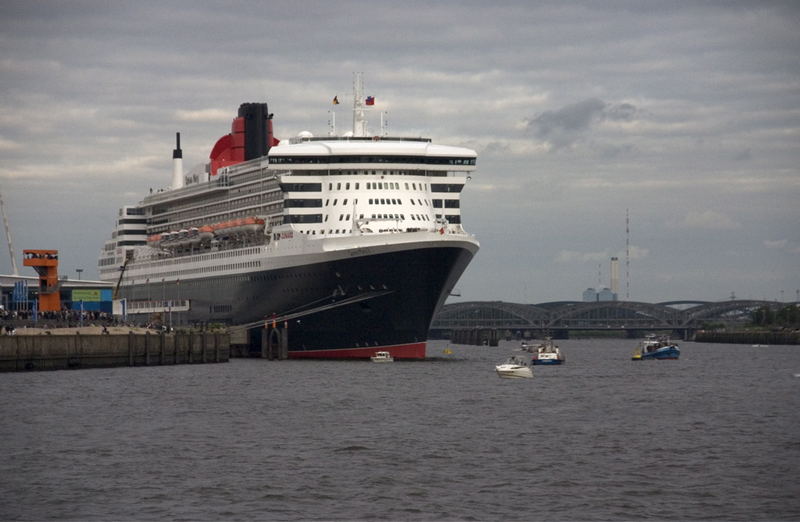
x,y
614,276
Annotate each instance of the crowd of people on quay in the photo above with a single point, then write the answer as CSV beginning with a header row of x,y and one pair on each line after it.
x,y
11,319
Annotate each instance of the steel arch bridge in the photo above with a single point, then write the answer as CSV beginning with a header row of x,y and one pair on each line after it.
x,y
619,315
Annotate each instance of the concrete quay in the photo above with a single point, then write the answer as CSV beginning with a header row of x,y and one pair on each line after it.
x,y
71,350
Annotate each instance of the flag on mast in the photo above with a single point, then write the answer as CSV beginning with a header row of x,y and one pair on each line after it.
x,y
370,100
336,100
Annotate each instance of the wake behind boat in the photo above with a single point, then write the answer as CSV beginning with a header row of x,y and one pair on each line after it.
x,y
653,347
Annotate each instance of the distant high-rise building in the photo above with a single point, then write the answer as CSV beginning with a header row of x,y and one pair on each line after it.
x,y
615,275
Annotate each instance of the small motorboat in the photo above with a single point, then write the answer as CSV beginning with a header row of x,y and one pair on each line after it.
x,y
514,368
547,353
381,357
653,347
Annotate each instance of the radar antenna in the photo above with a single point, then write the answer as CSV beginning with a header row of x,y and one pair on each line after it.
x,y
627,256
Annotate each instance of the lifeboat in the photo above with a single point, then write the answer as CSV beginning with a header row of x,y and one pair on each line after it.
x,y
180,238
223,229
154,240
166,237
253,225
237,227
194,236
206,232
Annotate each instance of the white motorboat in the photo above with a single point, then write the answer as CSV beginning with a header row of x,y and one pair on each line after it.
x,y
514,368
382,357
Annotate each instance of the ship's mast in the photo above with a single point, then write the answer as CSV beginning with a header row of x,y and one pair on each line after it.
x,y
359,110
8,237
332,123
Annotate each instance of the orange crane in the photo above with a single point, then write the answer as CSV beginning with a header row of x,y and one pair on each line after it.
x,y
45,262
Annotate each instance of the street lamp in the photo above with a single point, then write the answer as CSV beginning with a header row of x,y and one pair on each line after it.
x,y
79,270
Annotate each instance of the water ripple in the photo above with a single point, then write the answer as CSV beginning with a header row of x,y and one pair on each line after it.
x,y
601,438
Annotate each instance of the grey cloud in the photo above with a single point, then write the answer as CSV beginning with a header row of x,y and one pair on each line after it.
x,y
563,127
621,112
92,89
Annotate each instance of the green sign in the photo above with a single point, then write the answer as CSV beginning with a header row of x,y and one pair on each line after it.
x,y
86,295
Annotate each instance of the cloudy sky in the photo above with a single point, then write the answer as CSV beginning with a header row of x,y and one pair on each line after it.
x,y
685,113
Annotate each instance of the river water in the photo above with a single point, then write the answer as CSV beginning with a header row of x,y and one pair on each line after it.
x,y
714,435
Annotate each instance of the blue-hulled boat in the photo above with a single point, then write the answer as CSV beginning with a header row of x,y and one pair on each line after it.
x,y
653,347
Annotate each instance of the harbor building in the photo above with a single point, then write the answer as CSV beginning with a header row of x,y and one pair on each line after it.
x,y
19,293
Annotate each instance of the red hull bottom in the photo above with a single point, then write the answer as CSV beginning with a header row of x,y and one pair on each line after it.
x,y
398,351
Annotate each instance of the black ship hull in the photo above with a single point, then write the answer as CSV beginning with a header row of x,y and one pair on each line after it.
x,y
344,308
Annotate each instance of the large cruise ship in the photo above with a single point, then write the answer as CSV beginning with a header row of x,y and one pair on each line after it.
x,y
337,246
